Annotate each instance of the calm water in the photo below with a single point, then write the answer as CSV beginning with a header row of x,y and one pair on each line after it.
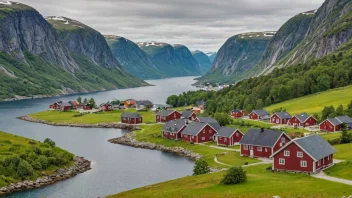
x,y
116,168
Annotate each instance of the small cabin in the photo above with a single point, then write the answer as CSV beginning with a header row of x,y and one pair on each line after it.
x,y
280,118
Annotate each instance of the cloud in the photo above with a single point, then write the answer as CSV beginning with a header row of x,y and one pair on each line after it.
x,y
199,24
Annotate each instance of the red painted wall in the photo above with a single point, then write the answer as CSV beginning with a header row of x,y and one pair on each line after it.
x,y
265,153
173,135
279,144
254,116
324,162
188,138
327,126
131,120
310,122
235,138
205,135
237,115
173,116
65,108
294,121
274,118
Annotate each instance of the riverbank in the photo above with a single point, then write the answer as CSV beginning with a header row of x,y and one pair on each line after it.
x,y
81,165
114,125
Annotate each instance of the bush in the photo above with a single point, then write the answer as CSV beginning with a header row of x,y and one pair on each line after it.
x,y
36,165
50,142
48,152
201,167
24,169
234,175
37,150
43,161
12,160
334,141
32,157
51,161
32,142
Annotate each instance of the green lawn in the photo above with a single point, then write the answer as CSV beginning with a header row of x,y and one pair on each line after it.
x,y
330,136
316,102
344,152
260,183
103,117
234,159
342,170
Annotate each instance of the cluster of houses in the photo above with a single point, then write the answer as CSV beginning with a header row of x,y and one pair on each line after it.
x,y
299,120
70,105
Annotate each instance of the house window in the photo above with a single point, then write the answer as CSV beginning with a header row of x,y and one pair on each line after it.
x,y
237,135
300,154
259,148
174,115
286,153
220,138
329,157
203,138
303,163
245,147
319,163
281,161
210,131
283,140
225,139
266,150
204,131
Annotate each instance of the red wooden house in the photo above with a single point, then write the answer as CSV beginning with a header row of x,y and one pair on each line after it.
x,y
83,106
167,115
259,115
131,118
65,106
174,128
73,103
107,107
335,124
55,106
280,118
302,120
198,132
228,136
262,142
190,115
308,154
201,105
238,113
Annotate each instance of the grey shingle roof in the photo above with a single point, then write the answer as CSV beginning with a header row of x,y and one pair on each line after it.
x,y
302,117
256,137
261,112
187,114
144,102
210,121
130,115
316,146
226,132
201,103
236,110
193,128
65,104
174,126
283,115
344,119
165,112
334,121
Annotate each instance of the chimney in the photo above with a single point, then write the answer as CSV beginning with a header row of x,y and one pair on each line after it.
x,y
186,121
262,130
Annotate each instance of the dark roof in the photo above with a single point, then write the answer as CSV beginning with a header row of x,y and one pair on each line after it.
x,y
226,132
302,117
210,121
187,114
315,146
174,126
65,104
165,112
344,119
257,137
130,115
261,112
334,121
144,102
201,103
193,128
283,115
236,111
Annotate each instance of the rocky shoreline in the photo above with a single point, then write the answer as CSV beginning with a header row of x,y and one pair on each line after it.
x,y
100,125
81,165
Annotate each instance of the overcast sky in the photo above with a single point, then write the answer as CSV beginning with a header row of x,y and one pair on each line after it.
x,y
198,24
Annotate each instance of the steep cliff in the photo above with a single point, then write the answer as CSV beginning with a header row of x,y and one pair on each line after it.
x,y
185,59
212,56
203,60
132,58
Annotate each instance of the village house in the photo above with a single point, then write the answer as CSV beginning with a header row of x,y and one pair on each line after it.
x,y
210,121
143,104
302,120
159,107
55,106
259,115
280,118
129,103
167,115
262,142
308,154
131,118
190,115
82,106
238,113
65,106
174,128
73,104
196,110
198,132
201,105
228,136
336,124
106,107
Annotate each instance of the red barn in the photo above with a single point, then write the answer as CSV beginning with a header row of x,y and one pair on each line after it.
x,y
262,142
55,106
83,106
259,115
198,132
302,120
280,118
308,154
65,106
131,118
335,124
106,107
237,113
190,115
167,115
174,128
228,136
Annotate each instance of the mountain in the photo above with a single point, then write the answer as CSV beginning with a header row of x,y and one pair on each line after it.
x,y
36,60
171,60
212,56
237,56
132,58
203,60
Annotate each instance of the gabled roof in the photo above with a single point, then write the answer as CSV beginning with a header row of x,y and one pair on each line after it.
x,y
302,117
201,103
130,115
194,128
334,121
344,119
210,121
65,104
174,126
261,137
236,111
187,114
314,145
165,112
283,115
144,102
261,112
226,132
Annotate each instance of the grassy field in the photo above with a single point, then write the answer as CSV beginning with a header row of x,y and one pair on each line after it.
x,y
344,152
330,136
103,117
316,102
234,159
342,170
260,183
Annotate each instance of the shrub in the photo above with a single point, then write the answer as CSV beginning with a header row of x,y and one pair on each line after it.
x,y
37,150
201,167
32,142
50,142
43,161
12,160
48,152
36,165
51,161
334,141
32,157
234,175
24,169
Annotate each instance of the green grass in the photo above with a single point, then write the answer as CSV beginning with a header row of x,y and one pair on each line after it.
x,y
316,102
104,117
234,159
343,152
330,136
341,170
260,183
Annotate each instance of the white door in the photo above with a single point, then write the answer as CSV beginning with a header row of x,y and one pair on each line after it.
x,y
251,151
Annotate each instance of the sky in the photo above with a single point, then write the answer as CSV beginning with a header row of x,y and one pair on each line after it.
x,y
199,24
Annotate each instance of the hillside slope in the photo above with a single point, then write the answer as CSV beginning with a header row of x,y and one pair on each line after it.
x,y
132,58
203,60
212,56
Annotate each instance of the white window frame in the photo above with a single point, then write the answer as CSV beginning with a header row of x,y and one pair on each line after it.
x,y
266,149
237,134
319,163
304,164
245,147
225,139
203,138
298,154
286,153
282,161
259,148
283,140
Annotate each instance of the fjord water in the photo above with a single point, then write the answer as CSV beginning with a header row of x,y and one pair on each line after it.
x,y
115,168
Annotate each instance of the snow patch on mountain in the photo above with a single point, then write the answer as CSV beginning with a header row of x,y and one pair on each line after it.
x,y
6,2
